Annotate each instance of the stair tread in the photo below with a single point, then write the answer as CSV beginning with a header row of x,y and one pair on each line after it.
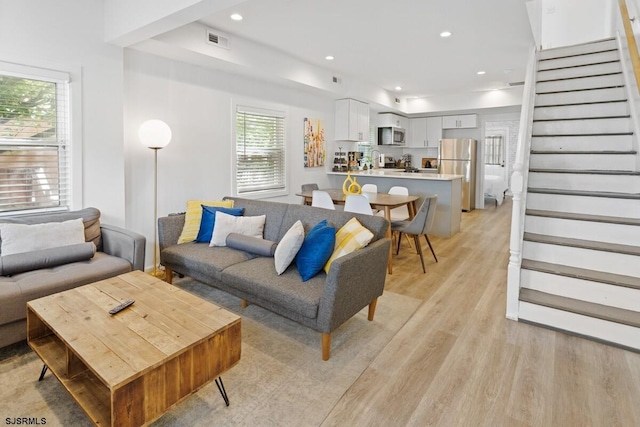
x,y
557,79
564,119
583,217
583,244
586,172
580,90
609,194
599,311
603,152
581,134
574,55
573,104
606,61
582,273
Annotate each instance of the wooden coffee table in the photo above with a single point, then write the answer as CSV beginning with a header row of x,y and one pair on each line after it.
x,y
127,369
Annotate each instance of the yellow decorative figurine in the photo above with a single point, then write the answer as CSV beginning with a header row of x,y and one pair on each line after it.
x,y
351,186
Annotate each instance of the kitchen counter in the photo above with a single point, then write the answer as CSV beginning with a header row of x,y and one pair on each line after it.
x,y
448,188
400,173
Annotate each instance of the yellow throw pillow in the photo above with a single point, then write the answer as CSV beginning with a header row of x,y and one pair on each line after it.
x,y
351,237
194,214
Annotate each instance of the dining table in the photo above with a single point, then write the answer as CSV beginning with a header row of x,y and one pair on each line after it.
x,y
383,202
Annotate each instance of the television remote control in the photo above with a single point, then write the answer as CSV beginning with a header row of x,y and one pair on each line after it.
x,y
119,308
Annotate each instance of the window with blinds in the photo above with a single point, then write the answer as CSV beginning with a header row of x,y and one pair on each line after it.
x,y
494,150
34,149
367,147
260,150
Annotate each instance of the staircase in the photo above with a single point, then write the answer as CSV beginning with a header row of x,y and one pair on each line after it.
x,y
580,269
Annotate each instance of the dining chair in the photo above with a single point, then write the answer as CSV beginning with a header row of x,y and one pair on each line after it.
x,y
308,187
357,203
419,225
369,188
400,213
322,199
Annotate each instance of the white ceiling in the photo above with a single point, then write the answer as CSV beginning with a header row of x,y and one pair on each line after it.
x,y
393,43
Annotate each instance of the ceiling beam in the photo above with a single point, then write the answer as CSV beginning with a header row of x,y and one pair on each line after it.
x,y
127,22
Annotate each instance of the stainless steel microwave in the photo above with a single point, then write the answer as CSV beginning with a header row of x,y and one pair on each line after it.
x,y
391,135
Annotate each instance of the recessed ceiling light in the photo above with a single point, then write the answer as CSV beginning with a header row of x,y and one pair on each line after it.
x,y
236,17
398,88
329,58
445,34
480,73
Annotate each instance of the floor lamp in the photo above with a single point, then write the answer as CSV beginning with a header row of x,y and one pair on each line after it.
x,y
155,134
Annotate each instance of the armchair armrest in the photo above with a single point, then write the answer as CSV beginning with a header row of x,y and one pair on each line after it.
x,y
124,244
353,282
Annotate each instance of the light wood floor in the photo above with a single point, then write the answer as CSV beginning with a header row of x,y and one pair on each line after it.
x,y
459,362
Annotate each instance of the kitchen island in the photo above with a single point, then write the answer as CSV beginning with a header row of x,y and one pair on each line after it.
x,y
447,187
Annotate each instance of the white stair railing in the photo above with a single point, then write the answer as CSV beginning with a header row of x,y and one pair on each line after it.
x,y
519,180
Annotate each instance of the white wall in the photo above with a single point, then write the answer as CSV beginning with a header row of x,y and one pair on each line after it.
x,y
569,22
66,35
196,102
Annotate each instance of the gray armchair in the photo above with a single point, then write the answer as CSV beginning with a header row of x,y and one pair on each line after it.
x,y
418,225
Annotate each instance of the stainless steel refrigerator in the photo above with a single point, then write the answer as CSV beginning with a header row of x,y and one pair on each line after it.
x,y
458,157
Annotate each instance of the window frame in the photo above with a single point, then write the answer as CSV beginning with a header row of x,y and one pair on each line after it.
x,y
72,129
246,105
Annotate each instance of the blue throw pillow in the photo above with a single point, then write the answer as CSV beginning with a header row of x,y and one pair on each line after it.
x,y
208,221
316,250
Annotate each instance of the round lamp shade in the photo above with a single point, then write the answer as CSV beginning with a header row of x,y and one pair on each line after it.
x,y
154,134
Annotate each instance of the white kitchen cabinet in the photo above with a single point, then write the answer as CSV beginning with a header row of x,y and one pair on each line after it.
x,y
390,119
417,132
434,131
352,120
425,132
460,122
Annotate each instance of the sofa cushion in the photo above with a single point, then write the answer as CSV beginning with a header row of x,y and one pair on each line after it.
x,y
288,247
21,238
351,237
208,221
258,277
316,249
310,216
193,216
274,211
90,218
209,261
16,290
226,224
254,245
51,257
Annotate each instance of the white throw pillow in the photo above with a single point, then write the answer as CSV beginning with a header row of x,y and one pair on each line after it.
x,y
225,224
288,247
19,238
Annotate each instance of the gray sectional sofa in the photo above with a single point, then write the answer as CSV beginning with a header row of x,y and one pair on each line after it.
x,y
116,251
322,303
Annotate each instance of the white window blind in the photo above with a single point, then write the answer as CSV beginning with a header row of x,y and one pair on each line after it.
x,y
494,150
34,146
367,147
260,150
